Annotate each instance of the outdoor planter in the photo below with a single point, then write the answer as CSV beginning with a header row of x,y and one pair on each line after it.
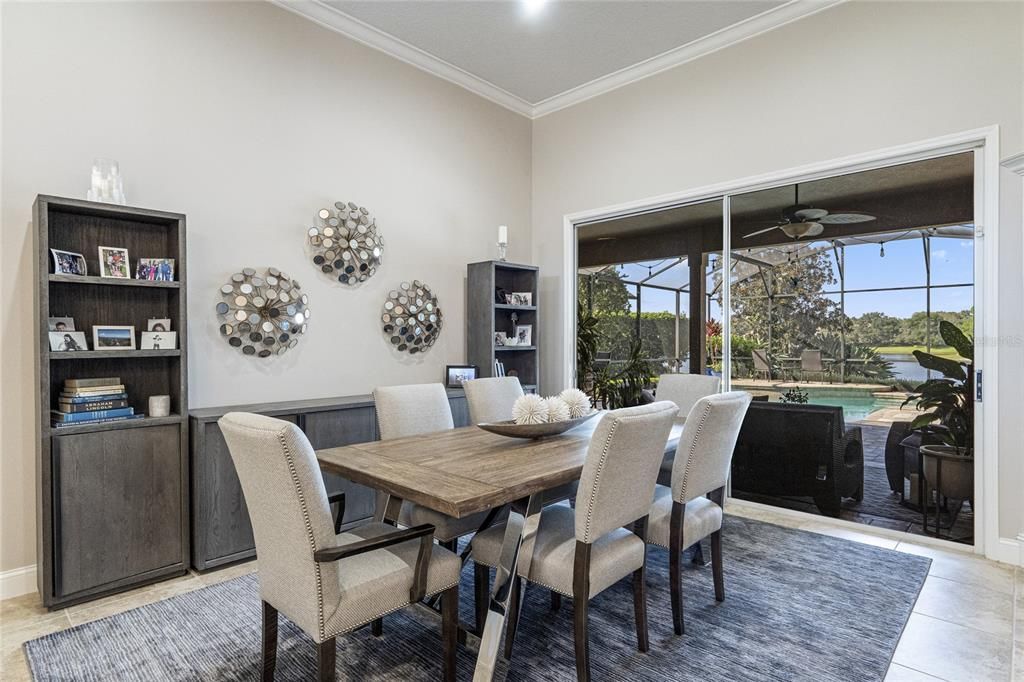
x,y
949,470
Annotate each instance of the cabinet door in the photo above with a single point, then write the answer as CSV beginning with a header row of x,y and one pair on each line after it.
x,y
460,411
117,505
345,427
221,531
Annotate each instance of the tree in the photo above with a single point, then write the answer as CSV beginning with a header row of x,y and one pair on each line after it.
x,y
875,329
794,307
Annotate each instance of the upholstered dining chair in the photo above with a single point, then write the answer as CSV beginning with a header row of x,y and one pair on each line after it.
x,y
686,389
580,553
681,514
415,410
491,399
327,584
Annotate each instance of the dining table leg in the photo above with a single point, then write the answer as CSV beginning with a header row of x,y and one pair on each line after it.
x,y
520,530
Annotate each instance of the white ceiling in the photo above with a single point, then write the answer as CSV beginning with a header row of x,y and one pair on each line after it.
x,y
560,54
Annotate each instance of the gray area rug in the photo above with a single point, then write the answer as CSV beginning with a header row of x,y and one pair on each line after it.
x,y
799,606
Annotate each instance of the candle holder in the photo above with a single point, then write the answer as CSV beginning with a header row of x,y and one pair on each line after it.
x,y
502,248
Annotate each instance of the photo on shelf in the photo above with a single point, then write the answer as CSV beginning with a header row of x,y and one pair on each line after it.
x,y
60,324
456,375
113,337
114,262
521,298
524,334
68,341
159,341
68,263
155,269
500,338
158,324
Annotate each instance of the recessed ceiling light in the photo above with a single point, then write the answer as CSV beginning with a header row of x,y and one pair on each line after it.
x,y
533,6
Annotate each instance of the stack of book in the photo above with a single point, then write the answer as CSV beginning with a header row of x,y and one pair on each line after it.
x,y
92,401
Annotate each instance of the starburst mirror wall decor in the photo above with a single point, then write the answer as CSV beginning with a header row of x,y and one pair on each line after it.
x,y
411,318
263,315
346,243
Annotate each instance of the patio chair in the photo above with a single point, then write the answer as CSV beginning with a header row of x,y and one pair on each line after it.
x,y
787,450
811,363
761,363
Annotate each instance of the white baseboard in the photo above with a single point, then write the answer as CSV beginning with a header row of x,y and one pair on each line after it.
x,y
1009,551
17,581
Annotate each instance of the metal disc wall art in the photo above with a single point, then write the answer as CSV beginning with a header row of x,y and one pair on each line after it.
x,y
263,315
346,243
411,318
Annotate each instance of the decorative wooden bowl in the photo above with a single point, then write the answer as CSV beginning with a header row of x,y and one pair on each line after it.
x,y
513,430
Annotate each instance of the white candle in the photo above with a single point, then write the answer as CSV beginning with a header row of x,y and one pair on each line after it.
x,y
503,234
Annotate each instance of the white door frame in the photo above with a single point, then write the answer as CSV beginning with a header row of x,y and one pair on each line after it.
x,y
985,143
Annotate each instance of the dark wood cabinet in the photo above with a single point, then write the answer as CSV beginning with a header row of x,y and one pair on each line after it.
x,y
221,532
136,530
112,497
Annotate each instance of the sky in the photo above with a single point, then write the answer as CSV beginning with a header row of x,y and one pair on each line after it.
x,y
903,265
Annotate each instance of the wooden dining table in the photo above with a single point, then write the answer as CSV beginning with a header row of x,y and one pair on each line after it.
x,y
463,471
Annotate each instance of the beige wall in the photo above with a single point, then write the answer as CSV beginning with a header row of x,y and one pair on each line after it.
x,y
855,78
248,119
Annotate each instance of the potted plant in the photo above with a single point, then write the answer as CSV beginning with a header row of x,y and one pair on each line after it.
x,y
948,416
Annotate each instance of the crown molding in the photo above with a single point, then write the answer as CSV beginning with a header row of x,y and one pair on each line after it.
x,y
713,42
340,22
361,32
1016,164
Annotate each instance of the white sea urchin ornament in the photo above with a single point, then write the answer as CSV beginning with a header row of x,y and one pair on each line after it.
x,y
530,409
558,411
577,402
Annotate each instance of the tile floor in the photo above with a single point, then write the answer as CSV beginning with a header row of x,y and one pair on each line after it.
x,y
967,626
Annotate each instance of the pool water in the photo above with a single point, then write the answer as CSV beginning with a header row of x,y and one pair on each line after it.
x,y
855,408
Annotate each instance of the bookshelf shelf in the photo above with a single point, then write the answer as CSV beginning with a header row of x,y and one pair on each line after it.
x,y
507,349
110,281
509,306
117,425
120,487
108,354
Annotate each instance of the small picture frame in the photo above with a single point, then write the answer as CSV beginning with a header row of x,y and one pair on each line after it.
x,y
158,324
68,263
500,338
155,269
60,324
521,298
159,341
113,337
456,375
114,262
524,334
65,341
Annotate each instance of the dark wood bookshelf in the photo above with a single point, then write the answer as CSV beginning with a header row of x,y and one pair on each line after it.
x,y
112,497
485,316
114,281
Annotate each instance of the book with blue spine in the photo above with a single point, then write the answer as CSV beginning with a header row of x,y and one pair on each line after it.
x,y
60,425
93,398
94,415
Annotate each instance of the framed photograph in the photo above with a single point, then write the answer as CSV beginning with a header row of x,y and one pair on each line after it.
x,y
67,341
159,340
155,269
61,324
158,324
110,337
68,263
500,338
455,375
521,298
114,262
524,334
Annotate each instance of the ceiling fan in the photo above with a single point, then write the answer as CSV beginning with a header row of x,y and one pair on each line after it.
x,y
801,220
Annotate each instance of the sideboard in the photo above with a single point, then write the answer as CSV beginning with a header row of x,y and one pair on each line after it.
x,y
221,533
